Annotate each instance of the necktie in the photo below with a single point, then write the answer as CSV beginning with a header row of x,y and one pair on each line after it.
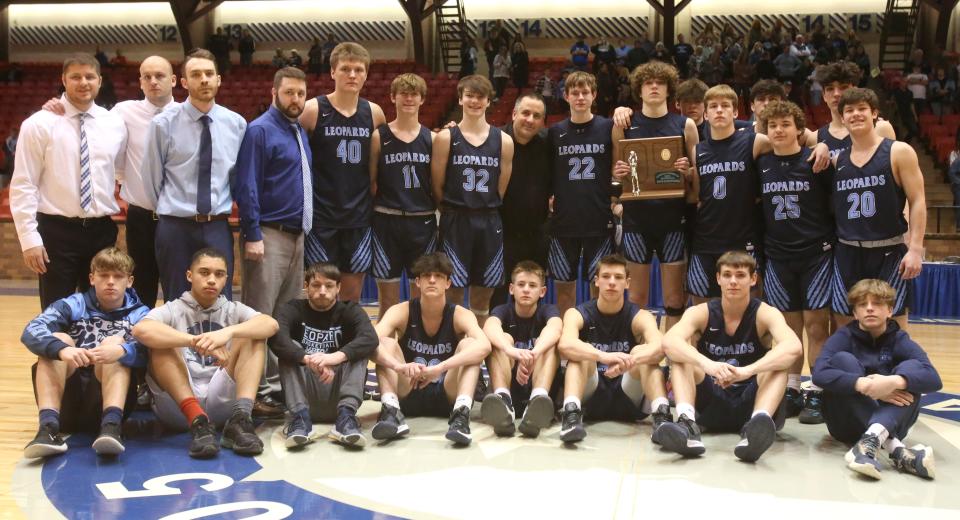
x,y
205,162
86,186
307,222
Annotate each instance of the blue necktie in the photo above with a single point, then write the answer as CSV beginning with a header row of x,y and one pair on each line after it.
x,y
307,219
205,161
86,187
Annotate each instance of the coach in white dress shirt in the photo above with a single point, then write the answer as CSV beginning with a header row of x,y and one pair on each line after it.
x,y
62,191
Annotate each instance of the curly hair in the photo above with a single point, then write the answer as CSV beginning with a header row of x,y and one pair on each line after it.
x,y
843,72
777,109
654,70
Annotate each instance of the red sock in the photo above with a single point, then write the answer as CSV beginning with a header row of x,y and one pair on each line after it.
x,y
191,409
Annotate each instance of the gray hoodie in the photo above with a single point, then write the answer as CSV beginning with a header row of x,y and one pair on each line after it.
x,y
185,314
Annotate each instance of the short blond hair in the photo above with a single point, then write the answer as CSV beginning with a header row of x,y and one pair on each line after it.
x,y
721,91
580,79
111,259
871,288
408,82
349,51
529,266
735,259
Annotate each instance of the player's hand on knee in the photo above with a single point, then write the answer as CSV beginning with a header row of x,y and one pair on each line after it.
x,y
75,357
523,373
208,341
36,259
325,375
898,398
108,351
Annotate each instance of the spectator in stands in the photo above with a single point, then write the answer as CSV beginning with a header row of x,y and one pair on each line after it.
x,y
732,52
603,52
119,59
859,56
315,57
9,152
295,60
801,50
646,44
940,92
637,55
545,87
917,59
816,90
682,51
905,109
709,32
756,33
468,57
501,72
622,50
917,84
777,32
520,62
765,67
279,59
102,58
219,45
756,52
580,53
818,37
491,48
953,176
327,49
838,45
695,64
787,64
661,53
262,108
728,32
607,89
247,46
107,97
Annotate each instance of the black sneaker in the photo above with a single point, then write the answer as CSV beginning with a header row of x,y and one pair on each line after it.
x,y
47,443
144,397
862,457
459,431
346,430
756,437
917,460
109,442
660,417
682,437
537,416
297,432
390,424
812,412
240,436
794,399
571,424
203,439
497,411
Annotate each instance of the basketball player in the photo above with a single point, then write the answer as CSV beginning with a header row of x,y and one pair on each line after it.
x,y
432,369
206,357
872,376
523,363
726,177
761,93
643,237
732,380
612,348
471,168
874,178
581,228
836,78
340,125
404,216
798,241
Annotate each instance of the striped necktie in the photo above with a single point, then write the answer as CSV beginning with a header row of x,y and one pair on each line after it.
x,y
307,222
86,186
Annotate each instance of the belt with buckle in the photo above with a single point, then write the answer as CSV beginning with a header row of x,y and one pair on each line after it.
x,y
82,221
201,218
293,230
873,243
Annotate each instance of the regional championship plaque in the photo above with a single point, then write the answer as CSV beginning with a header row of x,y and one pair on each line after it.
x,y
652,175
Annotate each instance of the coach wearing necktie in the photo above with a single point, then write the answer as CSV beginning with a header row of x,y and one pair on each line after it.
x,y
189,160
61,194
274,192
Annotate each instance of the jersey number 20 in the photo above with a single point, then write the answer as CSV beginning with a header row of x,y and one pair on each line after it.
x,y
861,204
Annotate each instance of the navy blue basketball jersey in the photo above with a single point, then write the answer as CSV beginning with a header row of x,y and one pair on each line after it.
x,y
473,172
727,214
796,205
403,171
341,166
741,348
582,156
608,332
833,144
524,331
420,347
703,129
669,212
867,202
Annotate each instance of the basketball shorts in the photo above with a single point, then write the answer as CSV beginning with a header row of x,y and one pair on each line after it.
x,y
565,255
351,250
215,396
799,284
640,248
852,264
608,402
473,240
398,241
429,401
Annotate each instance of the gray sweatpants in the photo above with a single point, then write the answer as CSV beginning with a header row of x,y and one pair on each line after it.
x,y
303,389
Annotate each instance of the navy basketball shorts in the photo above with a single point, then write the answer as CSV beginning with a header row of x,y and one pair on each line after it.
x,y
398,241
429,401
799,284
609,403
702,272
351,250
520,394
473,240
565,254
669,247
852,264
725,409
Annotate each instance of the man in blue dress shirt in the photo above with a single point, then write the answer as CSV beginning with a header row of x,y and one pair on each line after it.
x,y
273,175
189,160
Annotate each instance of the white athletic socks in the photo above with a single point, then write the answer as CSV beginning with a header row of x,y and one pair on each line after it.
x,y
892,444
538,391
659,401
878,430
758,412
571,399
390,399
686,409
793,381
463,400
814,388
502,390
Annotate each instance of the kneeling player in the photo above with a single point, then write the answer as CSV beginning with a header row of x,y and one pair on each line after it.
x,y
322,348
85,352
872,376
523,363
433,369
612,348
745,386
206,357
